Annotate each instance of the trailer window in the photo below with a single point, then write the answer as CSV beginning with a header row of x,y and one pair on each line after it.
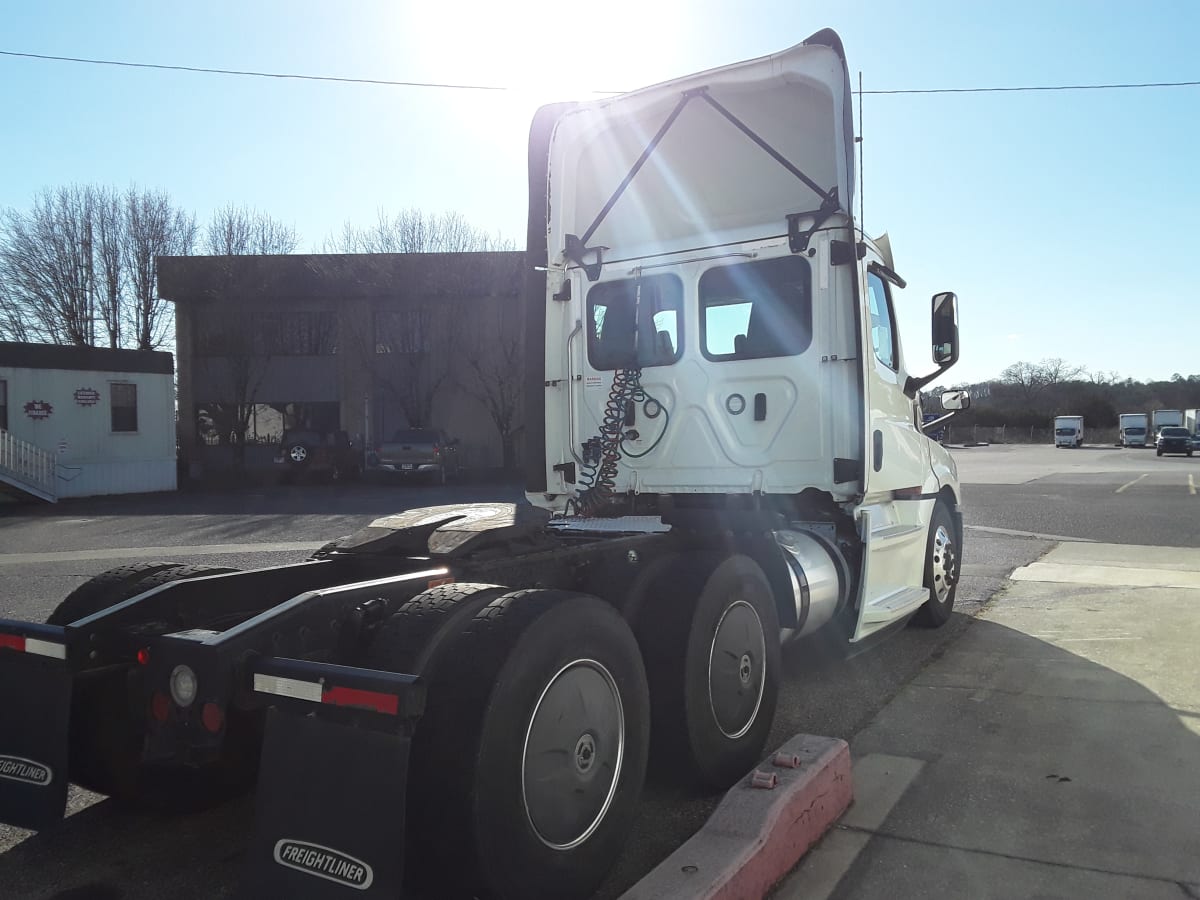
x,y
756,310
635,322
123,399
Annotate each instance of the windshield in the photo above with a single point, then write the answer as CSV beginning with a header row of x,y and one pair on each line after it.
x,y
414,436
1135,429
1064,431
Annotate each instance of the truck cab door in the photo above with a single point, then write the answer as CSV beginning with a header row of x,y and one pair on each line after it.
x,y
893,525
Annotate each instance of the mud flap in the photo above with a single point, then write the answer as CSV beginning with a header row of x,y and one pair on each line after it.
x,y
329,814
35,714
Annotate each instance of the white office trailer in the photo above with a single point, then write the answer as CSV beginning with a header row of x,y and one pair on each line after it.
x,y
84,421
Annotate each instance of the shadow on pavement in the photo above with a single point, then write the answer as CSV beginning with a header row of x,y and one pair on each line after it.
x,y
1045,774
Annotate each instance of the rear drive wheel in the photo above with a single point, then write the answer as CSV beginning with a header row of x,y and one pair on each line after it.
x,y
942,563
108,721
711,644
539,717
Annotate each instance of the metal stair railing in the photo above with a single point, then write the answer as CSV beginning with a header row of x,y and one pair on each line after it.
x,y
28,467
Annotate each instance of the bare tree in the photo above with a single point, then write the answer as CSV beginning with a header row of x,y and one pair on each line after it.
x,y
1032,379
107,235
240,231
13,325
494,374
415,231
47,265
410,354
233,353
153,228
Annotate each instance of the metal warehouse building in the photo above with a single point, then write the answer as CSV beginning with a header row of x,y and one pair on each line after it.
x,y
82,421
364,343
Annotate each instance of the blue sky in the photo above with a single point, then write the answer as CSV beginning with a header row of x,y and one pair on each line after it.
x,y
1064,220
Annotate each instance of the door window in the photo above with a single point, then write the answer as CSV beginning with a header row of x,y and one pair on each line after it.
x,y
635,322
756,310
883,331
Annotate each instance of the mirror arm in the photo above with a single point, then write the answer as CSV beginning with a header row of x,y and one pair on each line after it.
x,y
925,426
912,385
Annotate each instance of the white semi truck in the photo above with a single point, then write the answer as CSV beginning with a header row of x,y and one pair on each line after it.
x,y
1132,429
725,451
1191,420
1068,431
1161,417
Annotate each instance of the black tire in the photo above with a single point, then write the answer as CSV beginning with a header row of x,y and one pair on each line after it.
x,y
518,667
108,723
105,590
411,637
1158,453
702,606
943,561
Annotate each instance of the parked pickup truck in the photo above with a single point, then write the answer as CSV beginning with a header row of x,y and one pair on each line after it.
x,y
419,451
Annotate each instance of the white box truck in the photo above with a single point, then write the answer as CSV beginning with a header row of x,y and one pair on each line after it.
x,y
1068,431
1161,417
1191,420
1133,429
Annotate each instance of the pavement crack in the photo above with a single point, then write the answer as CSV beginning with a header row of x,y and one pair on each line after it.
x,y
1016,857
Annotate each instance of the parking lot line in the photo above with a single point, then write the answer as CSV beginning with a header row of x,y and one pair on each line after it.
x,y
1192,484
1129,484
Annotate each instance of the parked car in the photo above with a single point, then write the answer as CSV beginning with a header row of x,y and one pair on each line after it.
x,y
1174,439
309,453
1196,441
419,451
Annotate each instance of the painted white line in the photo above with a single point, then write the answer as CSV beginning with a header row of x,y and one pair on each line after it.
x,y
17,559
880,781
1031,534
1130,484
1192,484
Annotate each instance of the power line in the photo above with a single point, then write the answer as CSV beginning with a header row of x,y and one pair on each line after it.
x,y
494,87
212,71
1040,87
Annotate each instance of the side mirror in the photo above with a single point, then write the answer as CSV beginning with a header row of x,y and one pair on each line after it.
x,y
945,329
953,401
945,340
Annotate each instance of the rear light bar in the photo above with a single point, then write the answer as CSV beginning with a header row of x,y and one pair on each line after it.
x,y
388,693
40,640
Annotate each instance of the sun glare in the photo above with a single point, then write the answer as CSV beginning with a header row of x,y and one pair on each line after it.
x,y
543,50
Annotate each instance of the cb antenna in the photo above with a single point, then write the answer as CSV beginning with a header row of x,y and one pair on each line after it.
x,y
862,216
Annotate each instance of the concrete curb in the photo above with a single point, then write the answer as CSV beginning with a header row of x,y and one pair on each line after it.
x,y
756,836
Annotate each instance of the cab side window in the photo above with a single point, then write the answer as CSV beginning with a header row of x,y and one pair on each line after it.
x,y
883,331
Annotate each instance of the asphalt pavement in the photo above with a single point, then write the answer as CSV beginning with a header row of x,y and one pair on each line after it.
x,y
44,553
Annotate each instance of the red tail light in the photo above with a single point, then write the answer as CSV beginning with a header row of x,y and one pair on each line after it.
x,y
436,450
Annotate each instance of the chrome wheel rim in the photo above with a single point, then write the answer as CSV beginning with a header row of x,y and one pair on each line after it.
x,y
735,669
298,454
943,564
573,753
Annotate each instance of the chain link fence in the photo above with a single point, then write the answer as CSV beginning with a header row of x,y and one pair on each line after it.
x,y
1017,434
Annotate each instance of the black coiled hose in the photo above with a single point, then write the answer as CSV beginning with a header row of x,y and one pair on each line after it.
x,y
600,477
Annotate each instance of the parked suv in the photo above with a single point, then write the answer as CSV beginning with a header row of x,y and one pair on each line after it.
x,y
1174,439
308,453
